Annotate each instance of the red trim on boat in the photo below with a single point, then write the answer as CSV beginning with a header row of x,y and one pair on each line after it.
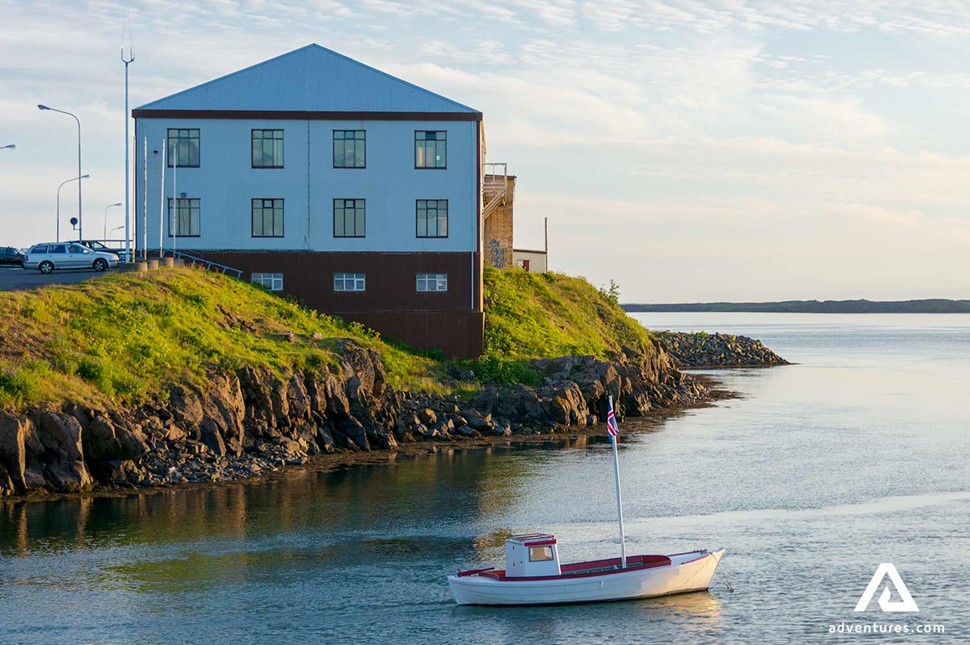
x,y
584,569
540,543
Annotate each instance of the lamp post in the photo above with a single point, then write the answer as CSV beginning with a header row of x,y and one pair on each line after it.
x,y
80,220
127,60
67,181
106,218
9,146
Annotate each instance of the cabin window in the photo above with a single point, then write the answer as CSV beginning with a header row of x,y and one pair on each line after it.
x,y
183,148
540,553
349,149
430,149
267,148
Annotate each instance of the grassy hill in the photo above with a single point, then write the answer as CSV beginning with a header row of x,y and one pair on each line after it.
x,y
124,338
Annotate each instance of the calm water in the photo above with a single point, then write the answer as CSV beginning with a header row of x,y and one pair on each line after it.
x,y
858,455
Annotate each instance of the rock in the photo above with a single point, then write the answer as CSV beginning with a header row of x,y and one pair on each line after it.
x,y
428,417
62,452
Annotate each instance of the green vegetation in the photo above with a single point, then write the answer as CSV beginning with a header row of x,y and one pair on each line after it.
x,y
537,315
125,338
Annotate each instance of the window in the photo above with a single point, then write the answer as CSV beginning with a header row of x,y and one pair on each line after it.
x,y
267,217
271,281
184,222
349,219
349,149
267,148
183,146
432,218
430,149
348,281
432,282
540,553
76,248
58,248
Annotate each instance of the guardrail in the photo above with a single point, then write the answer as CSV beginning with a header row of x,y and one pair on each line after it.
x,y
208,264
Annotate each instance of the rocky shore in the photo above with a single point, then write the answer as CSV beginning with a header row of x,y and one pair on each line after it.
x,y
705,351
250,422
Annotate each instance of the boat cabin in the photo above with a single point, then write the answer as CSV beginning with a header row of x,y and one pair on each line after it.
x,y
532,554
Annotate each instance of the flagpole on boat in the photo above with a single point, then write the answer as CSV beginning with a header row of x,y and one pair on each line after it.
x,y
614,432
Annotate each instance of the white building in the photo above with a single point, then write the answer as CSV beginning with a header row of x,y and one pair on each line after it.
x,y
320,177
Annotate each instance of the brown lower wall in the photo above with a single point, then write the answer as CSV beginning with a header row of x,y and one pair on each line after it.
x,y
451,321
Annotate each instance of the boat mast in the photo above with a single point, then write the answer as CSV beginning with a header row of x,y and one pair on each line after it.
x,y
619,497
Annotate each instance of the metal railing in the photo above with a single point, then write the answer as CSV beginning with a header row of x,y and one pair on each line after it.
x,y
208,264
495,187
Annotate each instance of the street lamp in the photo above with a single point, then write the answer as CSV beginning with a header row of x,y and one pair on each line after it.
x,y
67,181
106,218
80,220
11,146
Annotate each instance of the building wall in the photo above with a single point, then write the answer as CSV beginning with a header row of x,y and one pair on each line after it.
x,y
532,261
498,230
390,302
225,184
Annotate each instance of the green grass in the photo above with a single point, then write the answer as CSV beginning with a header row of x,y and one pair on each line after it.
x,y
125,338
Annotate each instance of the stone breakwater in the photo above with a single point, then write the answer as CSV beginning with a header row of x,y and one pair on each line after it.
x,y
702,350
250,422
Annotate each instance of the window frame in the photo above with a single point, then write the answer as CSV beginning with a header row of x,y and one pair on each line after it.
x,y
177,142
354,276
544,554
252,147
198,208
362,208
417,219
427,278
417,166
252,219
271,277
355,139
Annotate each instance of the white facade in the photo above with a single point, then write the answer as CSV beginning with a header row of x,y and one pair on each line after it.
x,y
226,183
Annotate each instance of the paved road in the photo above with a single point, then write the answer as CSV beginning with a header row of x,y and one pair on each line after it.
x,y
12,278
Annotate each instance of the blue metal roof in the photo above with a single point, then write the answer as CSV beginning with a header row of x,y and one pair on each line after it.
x,y
309,79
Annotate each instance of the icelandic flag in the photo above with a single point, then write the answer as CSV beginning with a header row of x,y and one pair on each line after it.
x,y
611,425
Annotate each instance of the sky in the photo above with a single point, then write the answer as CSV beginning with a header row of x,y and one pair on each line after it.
x,y
689,150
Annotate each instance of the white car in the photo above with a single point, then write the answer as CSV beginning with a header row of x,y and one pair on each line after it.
x,y
67,255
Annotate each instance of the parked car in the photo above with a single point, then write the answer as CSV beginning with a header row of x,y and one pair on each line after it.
x,y
67,255
10,255
100,247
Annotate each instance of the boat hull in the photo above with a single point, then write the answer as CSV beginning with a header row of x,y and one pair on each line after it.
x,y
686,572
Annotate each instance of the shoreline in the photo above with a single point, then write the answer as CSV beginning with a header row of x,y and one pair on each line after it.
x,y
347,459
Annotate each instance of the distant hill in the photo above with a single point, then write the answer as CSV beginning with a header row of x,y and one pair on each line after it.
x,y
931,306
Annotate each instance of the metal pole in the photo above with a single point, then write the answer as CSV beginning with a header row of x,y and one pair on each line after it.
x,y
129,256
161,208
80,228
144,211
105,230
619,498
545,227
176,200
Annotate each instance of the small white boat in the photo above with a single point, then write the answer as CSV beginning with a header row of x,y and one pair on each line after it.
x,y
533,575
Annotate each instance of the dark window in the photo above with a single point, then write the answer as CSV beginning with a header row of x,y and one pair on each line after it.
x,y
183,146
184,222
58,248
430,149
432,218
349,218
349,149
267,148
267,217
40,248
